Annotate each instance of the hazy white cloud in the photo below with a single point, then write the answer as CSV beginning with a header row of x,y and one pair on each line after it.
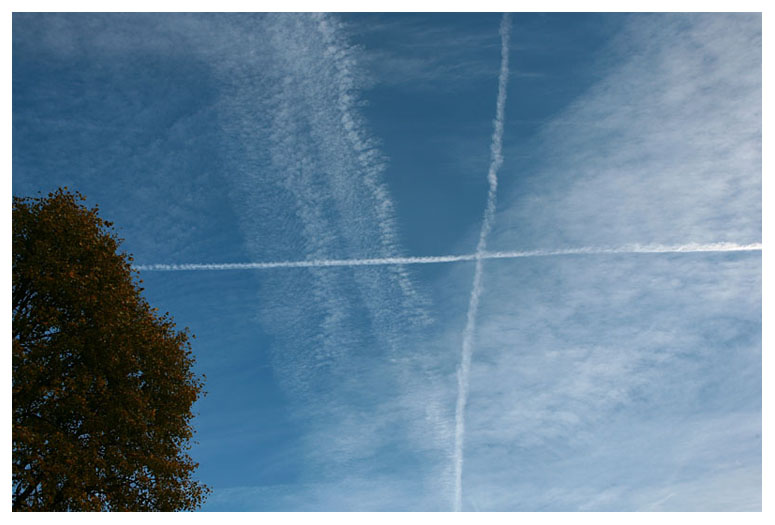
x,y
665,148
575,355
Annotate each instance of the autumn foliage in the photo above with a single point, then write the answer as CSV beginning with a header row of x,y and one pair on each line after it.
x,y
102,384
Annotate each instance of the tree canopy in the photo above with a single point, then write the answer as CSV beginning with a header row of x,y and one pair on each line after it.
x,y
103,385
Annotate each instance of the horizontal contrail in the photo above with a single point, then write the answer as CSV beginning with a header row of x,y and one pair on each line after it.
x,y
385,261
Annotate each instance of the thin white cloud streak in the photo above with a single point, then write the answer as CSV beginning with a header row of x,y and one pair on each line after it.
x,y
386,261
632,249
316,263
496,160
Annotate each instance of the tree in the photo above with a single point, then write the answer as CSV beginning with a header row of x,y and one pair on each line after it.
x,y
103,385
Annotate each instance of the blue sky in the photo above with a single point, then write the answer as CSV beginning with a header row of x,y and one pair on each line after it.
x,y
598,381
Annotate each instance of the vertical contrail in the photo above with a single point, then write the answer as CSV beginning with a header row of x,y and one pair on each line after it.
x,y
496,159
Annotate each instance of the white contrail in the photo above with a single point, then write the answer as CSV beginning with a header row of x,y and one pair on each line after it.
x,y
496,159
315,263
387,261
632,249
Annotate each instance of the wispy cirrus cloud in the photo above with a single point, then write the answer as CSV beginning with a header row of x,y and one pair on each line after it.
x,y
309,174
